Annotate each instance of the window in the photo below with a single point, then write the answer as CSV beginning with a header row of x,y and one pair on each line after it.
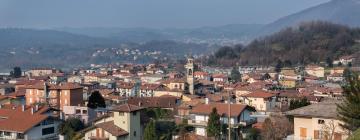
x,y
134,133
1,133
321,121
84,112
121,113
78,111
7,133
20,136
134,113
47,131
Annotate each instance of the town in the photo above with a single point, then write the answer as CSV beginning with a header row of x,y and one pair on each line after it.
x,y
175,101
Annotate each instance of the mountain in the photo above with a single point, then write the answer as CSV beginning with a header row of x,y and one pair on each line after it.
x,y
310,42
30,48
236,33
346,12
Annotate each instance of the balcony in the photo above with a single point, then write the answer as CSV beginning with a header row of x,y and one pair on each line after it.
x,y
197,123
97,138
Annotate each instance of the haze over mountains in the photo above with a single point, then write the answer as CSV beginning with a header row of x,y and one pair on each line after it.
x,y
60,47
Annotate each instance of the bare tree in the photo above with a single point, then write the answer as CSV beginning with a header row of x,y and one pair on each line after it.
x,y
276,127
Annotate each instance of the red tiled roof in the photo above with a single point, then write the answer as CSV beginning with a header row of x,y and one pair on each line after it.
x,y
259,94
15,120
126,108
112,128
161,102
149,86
64,86
206,109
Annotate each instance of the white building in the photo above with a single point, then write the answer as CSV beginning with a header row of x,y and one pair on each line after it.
x,y
27,122
240,116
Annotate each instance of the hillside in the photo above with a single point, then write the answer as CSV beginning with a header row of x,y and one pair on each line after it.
x,y
346,12
29,48
311,42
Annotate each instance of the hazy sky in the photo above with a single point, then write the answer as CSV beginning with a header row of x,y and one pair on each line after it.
x,y
144,13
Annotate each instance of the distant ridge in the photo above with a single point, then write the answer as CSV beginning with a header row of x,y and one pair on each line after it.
x,y
346,12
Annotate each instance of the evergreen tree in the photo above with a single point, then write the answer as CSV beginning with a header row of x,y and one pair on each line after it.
x,y
213,128
235,75
329,62
96,100
150,131
348,110
279,66
16,73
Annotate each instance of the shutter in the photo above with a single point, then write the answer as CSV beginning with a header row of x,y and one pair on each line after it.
x,y
316,134
303,132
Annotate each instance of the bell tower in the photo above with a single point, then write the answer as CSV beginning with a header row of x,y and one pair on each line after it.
x,y
190,74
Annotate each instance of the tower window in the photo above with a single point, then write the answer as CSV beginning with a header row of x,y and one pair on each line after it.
x,y
190,72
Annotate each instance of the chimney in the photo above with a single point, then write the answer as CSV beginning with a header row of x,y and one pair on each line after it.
x,y
36,108
22,108
206,100
32,110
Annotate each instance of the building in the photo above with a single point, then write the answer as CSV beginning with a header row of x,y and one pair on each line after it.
x,y
126,89
200,75
148,90
83,113
287,83
190,74
27,123
316,120
261,100
220,77
240,116
314,70
344,60
123,124
56,95
40,71
335,77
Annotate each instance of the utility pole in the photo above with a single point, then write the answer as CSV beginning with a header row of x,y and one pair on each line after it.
x,y
229,119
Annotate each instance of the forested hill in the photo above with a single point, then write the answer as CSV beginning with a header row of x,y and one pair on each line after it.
x,y
310,42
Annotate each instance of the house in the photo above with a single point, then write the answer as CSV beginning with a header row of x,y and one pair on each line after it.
x,y
152,78
175,84
56,95
27,122
200,75
261,100
40,71
345,60
219,77
335,77
337,70
287,83
126,89
123,124
6,89
148,90
239,116
75,79
84,113
314,121
164,102
314,70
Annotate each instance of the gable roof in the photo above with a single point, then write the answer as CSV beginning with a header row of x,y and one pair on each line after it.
x,y
126,108
161,102
13,119
222,109
112,128
326,109
259,94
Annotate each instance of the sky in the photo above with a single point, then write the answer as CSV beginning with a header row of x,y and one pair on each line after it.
x,y
145,13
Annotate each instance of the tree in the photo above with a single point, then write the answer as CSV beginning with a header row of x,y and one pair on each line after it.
x,y
276,127
213,128
69,127
355,135
150,131
96,100
294,104
328,130
279,66
235,75
253,134
266,76
348,110
329,62
16,73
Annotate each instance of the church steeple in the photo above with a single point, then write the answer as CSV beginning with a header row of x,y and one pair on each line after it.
x,y
190,74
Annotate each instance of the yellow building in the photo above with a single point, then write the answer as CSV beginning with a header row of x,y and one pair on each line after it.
x,y
288,83
122,124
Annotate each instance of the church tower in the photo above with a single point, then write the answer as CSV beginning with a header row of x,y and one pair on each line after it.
x,y
190,74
